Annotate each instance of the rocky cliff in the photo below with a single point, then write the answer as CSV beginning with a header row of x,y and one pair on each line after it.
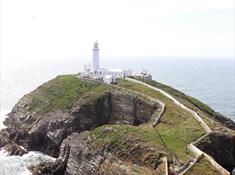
x,y
221,146
45,132
93,128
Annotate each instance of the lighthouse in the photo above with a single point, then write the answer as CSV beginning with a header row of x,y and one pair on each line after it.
x,y
95,59
108,75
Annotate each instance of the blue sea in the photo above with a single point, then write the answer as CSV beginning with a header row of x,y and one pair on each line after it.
x,y
212,81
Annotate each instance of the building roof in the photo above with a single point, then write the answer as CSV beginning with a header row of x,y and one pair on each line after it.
x,y
108,76
111,70
115,70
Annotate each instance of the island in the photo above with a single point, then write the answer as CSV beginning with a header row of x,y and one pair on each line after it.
x,y
135,126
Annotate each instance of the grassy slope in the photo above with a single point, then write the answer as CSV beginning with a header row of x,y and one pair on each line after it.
x,y
190,102
177,128
116,136
185,99
62,92
202,167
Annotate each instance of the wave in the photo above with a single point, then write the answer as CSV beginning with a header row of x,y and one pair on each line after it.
x,y
17,165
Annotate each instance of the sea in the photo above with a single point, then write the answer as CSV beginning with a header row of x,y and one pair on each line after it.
x,y
210,80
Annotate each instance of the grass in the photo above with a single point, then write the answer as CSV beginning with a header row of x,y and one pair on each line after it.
x,y
177,127
185,99
175,131
62,92
116,136
204,110
202,167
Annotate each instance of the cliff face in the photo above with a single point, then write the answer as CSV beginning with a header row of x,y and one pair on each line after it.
x,y
221,146
98,129
86,160
46,132
77,157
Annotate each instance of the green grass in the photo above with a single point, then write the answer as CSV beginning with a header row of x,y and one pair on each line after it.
x,y
177,127
185,99
190,102
202,167
62,92
119,133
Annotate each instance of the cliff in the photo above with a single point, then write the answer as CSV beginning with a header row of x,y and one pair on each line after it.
x,y
221,146
94,128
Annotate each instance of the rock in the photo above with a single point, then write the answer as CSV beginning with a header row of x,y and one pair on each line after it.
x,y
14,149
221,146
53,168
85,160
57,133
107,129
4,140
46,132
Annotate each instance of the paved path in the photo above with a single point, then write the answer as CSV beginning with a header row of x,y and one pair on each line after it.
x,y
195,115
191,146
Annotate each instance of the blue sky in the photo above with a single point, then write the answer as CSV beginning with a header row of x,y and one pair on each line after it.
x,y
32,29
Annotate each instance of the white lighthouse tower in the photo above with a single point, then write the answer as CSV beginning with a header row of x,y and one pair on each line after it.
x,y
95,59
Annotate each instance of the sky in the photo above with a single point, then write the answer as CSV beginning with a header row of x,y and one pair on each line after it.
x,y
50,29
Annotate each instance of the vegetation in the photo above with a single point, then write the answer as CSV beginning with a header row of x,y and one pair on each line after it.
x,y
202,167
185,99
62,92
176,130
177,127
209,114
117,133
162,138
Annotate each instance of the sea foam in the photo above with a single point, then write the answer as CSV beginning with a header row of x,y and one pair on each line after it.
x,y
17,165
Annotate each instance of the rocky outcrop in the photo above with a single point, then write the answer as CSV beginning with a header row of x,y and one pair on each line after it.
x,y
57,167
221,146
45,132
84,160
13,149
62,133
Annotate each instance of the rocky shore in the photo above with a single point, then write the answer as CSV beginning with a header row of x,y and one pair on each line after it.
x,y
56,133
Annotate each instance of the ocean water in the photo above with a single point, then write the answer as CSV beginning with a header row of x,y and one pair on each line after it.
x,y
17,165
212,81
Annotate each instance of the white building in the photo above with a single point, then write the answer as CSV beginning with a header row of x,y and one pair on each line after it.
x,y
109,79
108,75
96,58
103,72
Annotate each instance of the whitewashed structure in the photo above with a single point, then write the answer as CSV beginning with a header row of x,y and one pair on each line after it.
x,y
95,58
108,75
109,79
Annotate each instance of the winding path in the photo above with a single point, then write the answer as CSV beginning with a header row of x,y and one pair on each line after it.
x,y
195,115
198,153
191,146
